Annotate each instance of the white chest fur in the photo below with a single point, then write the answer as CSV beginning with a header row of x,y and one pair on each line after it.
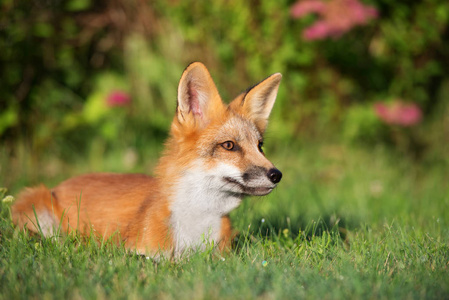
x,y
200,201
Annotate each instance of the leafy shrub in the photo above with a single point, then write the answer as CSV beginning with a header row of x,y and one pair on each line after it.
x,y
59,54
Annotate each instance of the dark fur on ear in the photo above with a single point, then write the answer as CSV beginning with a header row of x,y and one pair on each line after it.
x,y
257,103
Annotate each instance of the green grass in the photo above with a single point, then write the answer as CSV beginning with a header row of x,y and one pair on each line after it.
x,y
344,223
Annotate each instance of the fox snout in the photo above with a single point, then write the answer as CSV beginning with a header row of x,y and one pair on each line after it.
x,y
273,174
256,181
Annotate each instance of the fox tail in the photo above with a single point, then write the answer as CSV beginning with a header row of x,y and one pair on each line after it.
x,y
34,209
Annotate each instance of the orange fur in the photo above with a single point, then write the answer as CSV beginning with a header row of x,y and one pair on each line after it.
x,y
226,234
142,210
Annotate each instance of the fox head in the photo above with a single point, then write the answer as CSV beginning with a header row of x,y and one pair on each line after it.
x,y
223,142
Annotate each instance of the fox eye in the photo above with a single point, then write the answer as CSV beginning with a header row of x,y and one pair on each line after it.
x,y
260,146
228,145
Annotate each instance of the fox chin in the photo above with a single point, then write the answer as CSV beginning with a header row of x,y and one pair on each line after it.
x,y
212,159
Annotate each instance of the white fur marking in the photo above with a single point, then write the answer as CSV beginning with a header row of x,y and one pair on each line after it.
x,y
201,200
47,222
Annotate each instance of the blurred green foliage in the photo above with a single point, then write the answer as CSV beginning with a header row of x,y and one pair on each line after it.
x,y
61,59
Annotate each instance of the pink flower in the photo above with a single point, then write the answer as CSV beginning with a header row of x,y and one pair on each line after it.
x,y
398,113
318,31
336,16
118,98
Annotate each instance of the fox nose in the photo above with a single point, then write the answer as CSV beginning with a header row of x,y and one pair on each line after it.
x,y
274,175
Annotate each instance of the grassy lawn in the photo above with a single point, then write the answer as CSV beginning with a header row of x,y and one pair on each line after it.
x,y
344,223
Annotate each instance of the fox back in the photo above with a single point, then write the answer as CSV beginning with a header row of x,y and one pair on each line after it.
x,y
212,159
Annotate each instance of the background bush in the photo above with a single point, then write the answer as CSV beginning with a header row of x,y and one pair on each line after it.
x,y
61,60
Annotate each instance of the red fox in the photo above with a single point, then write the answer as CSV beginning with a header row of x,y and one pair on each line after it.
x,y
213,158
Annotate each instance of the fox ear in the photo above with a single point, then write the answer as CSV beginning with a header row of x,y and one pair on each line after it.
x,y
197,95
257,103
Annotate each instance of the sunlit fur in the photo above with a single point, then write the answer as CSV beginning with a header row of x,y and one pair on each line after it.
x,y
198,181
